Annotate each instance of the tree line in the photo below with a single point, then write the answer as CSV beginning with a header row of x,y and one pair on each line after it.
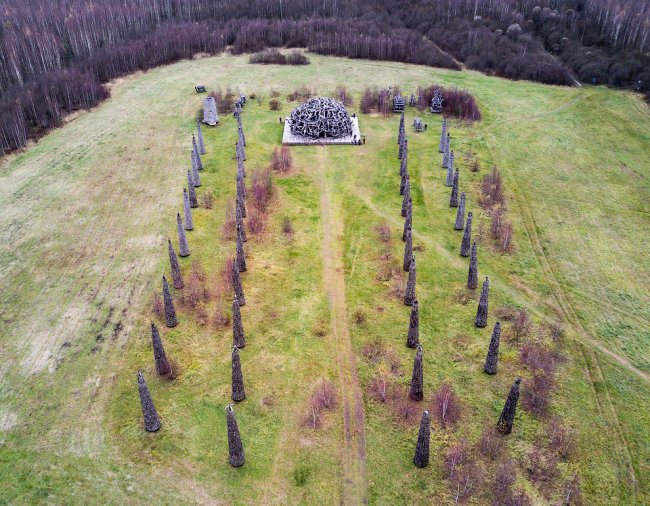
x,y
54,54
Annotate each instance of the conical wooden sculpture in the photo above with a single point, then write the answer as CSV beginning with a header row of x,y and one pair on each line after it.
x,y
467,237
199,163
507,418
199,134
241,257
460,214
472,276
443,136
446,152
235,447
413,336
149,413
183,247
408,223
170,312
416,392
194,202
196,178
482,313
453,200
407,194
240,126
177,278
189,224
409,294
160,358
421,458
408,250
449,180
237,285
493,351
238,393
400,131
238,339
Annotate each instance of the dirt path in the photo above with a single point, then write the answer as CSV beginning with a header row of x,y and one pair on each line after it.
x,y
354,487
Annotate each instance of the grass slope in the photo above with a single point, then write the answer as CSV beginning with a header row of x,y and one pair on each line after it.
x,y
84,218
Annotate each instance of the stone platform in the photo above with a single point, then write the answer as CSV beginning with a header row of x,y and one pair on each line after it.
x,y
296,140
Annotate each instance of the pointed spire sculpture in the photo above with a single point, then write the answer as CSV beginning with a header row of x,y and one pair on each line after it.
x,y
467,237
408,250
189,224
446,153
196,178
453,200
443,136
177,278
400,148
241,204
242,148
240,126
199,134
401,128
507,418
409,294
241,257
403,181
197,156
482,313
460,214
238,393
403,167
239,220
170,312
408,223
421,458
183,247
413,336
235,447
405,151
149,413
416,392
492,357
237,285
238,338
449,180
160,358
407,195
472,276
192,192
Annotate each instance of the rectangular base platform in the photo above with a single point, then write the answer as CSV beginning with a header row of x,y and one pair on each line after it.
x,y
295,140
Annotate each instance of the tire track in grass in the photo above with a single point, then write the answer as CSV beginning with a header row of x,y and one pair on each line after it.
x,y
354,487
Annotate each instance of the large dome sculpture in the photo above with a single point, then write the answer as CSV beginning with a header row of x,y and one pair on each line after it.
x,y
320,117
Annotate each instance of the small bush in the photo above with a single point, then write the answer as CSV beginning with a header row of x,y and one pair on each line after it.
x,y
457,103
343,95
572,492
274,104
557,330
541,466
274,94
229,226
560,438
380,388
535,393
323,398
303,93
268,56
281,160
504,479
256,221
491,443
492,190
475,166
406,411
446,405
368,101
195,290
383,231
295,57
537,357
207,199
359,317
225,101
261,189
520,325
259,98
287,227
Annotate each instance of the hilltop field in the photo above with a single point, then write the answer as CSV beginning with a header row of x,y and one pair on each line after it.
x,y
84,218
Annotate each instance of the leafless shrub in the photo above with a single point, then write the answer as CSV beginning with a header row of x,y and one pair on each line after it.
x,y
491,443
517,498
380,388
397,284
464,475
406,411
229,227
537,357
225,101
520,325
464,297
572,492
505,313
321,328
281,160
343,95
560,438
157,306
274,94
201,316
259,98
475,165
535,393
195,290
456,456
446,406
220,318
256,222
383,231
274,104
557,330
504,479
224,285
541,467
207,199
373,351
323,398
359,316
492,190
287,227
261,189
303,93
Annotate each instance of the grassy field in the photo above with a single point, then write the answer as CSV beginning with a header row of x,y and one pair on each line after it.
x,y
84,217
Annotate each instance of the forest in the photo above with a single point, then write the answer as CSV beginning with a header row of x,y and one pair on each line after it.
x,y
55,55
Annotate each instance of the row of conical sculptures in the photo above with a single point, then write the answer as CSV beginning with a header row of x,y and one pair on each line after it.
x,y
163,367
468,248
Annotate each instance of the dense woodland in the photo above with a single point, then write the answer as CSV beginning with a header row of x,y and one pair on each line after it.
x,y
55,54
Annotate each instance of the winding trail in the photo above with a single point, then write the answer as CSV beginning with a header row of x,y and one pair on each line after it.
x,y
355,483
